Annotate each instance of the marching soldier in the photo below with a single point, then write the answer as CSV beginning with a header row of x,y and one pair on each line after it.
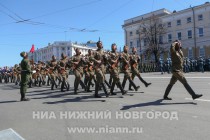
x,y
114,70
100,69
90,74
63,73
17,73
134,68
177,71
25,75
126,69
77,61
53,72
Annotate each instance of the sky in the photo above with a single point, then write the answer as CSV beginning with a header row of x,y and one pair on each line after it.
x,y
39,22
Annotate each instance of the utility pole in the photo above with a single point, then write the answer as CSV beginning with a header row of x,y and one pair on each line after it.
x,y
194,30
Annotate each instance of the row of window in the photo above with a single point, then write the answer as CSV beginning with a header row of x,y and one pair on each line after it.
x,y
188,20
189,34
201,52
170,38
178,22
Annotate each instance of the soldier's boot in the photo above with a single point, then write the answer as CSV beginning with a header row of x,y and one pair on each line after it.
x,y
88,87
82,85
23,98
167,91
76,87
145,83
123,83
52,86
112,89
91,83
40,82
121,88
109,86
191,92
110,81
62,86
105,89
96,91
48,82
30,83
134,85
86,80
67,86
130,88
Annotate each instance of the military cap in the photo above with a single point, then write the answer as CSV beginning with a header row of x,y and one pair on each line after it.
x,y
22,54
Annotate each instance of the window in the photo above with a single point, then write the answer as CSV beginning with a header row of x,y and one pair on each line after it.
x,y
160,39
202,52
190,53
138,43
169,24
200,17
137,31
178,22
189,34
131,44
131,33
188,19
169,37
200,32
179,36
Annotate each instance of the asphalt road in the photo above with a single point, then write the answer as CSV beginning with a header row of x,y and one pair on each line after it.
x,y
53,115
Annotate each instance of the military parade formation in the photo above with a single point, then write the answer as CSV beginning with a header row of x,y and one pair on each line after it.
x,y
94,66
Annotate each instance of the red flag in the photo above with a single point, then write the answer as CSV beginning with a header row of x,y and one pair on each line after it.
x,y
32,49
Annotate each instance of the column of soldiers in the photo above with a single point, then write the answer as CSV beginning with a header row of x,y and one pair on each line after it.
x,y
92,66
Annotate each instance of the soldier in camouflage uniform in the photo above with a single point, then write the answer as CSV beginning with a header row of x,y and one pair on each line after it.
x,y
125,58
63,73
90,73
77,61
53,72
17,74
100,69
114,70
25,74
134,68
177,71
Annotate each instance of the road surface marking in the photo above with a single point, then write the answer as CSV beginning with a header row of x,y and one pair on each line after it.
x,y
170,77
198,99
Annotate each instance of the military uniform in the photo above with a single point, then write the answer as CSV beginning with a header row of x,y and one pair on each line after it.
x,y
134,70
100,70
25,75
63,73
127,71
90,73
114,72
177,71
53,72
78,71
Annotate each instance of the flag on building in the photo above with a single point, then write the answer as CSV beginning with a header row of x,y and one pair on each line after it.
x,y
32,49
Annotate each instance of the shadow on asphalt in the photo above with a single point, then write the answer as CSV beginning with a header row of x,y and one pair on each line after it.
x,y
154,103
12,101
77,99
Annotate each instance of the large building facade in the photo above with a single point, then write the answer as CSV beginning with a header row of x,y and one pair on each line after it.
x,y
57,48
191,26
